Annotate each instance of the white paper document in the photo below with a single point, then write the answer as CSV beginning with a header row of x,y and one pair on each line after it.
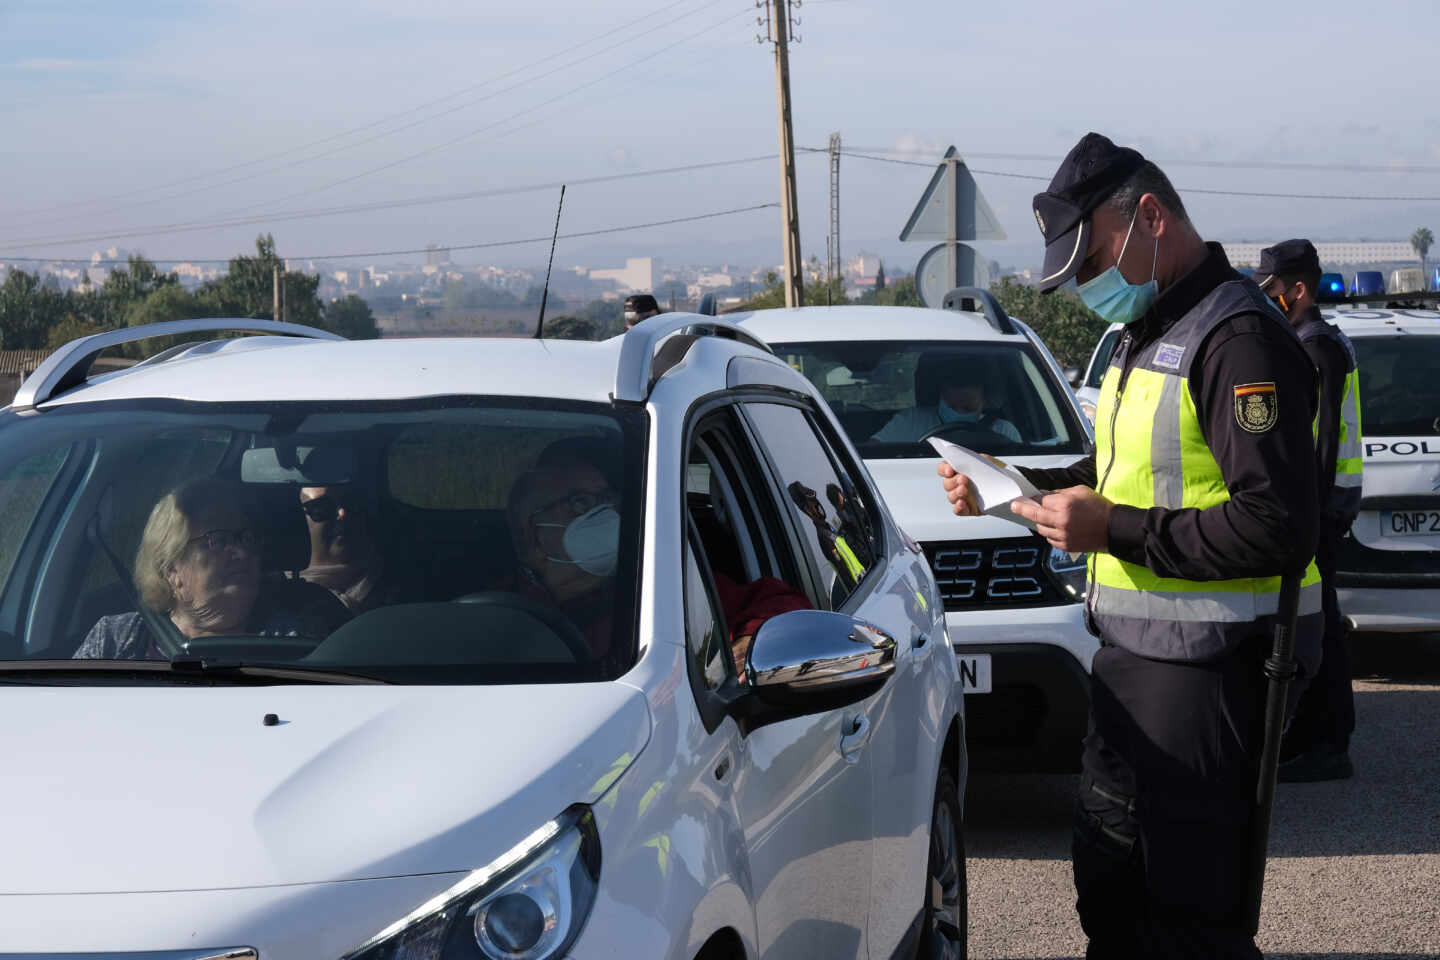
x,y
995,486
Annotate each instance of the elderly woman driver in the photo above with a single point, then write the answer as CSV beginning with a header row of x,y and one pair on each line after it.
x,y
199,566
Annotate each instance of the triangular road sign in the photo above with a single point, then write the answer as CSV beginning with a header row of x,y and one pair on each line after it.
x,y
952,207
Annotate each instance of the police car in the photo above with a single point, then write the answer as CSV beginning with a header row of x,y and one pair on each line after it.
x,y
1388,567
1013,605
532,729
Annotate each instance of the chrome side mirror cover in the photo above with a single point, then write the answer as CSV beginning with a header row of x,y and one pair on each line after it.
x,y
806,657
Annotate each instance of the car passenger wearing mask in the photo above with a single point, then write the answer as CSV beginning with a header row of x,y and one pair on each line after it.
x,y
564,523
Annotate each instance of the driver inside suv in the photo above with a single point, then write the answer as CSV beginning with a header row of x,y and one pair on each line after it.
x,y
949,390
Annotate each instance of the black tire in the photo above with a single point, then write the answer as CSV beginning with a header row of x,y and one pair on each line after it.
x,y
943,931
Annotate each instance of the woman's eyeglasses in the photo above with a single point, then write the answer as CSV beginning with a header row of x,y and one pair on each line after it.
x,y
218,540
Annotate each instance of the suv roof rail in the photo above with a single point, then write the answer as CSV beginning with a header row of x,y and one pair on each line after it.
x,y
68,366
976,300
652,347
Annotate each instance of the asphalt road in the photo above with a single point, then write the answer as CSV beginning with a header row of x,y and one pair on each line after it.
x,y
1354,866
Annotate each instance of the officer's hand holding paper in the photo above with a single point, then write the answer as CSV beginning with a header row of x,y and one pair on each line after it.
x,y
995,484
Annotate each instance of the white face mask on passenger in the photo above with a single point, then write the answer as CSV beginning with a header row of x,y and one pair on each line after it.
x,y
591,540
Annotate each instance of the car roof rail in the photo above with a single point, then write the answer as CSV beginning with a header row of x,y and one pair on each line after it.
x,y
652,347
68,366
976,300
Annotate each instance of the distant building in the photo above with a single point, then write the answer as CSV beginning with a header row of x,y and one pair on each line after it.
x,y
436,255
1247,254
638,274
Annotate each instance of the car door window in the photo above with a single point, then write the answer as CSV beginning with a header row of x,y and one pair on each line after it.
x,y
834,523
704,628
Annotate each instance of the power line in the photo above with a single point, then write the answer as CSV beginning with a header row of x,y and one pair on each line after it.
x,y
456,141
373,124
192,226
1217,164
1218,193
450,246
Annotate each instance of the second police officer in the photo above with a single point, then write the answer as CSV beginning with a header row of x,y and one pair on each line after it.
x,y
1201,494
1317,744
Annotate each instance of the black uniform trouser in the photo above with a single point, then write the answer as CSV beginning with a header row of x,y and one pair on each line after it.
x,y
1162,821
1326,712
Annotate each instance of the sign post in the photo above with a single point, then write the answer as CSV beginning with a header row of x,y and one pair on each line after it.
x,y
951,210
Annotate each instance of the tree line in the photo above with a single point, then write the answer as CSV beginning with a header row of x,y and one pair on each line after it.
x,y
35,313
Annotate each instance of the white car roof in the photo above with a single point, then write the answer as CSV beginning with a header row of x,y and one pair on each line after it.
x,y
1386,322
852,322
266,369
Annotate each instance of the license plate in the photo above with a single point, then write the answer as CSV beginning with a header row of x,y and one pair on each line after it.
x,y
974,672
1409,523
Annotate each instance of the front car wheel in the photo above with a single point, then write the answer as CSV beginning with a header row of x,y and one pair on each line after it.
x,y
943,934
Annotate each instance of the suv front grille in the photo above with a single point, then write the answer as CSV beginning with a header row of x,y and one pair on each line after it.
x,y
994,574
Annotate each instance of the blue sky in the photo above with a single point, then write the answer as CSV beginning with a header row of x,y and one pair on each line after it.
x,y
119,119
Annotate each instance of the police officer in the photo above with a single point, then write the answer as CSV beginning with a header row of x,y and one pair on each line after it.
x,y
1317,744
1200,496
640,306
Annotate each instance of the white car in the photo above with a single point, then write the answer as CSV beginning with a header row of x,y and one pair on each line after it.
x,y
1014,606
1087,390
1388,568
532,735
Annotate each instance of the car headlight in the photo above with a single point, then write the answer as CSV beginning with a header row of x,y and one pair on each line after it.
x,y
1068,570
529,904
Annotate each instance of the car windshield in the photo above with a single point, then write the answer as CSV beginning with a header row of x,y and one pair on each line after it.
x,y
1399,392
890,396
456,540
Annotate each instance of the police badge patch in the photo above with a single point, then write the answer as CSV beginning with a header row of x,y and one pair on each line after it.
x,y
1256,406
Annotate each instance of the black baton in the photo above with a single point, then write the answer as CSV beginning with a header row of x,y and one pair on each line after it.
x,y
1280,669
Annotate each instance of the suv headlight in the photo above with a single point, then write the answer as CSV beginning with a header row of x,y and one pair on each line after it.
x,y
530,904
1068,569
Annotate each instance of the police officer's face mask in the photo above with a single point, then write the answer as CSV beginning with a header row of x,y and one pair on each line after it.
x,y
1116,299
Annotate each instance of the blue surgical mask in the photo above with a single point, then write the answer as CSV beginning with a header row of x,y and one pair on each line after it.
x,y
591,540
949,414
1116,299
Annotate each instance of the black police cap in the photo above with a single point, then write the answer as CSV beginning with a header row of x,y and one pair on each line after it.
x,y
1289,258
641,302
1088,175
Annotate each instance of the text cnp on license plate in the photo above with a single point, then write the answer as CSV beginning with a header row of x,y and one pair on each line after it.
x,y
1409,523
975,674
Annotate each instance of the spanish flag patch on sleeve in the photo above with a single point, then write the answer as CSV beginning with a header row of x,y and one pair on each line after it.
x,y
1256,406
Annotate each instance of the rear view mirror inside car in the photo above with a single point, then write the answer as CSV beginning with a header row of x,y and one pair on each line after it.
x,y
292,464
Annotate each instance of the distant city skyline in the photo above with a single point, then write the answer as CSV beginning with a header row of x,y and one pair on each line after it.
x,y
121,118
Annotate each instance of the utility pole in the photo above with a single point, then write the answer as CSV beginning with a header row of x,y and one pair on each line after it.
x,y
834,242
277,305
777,31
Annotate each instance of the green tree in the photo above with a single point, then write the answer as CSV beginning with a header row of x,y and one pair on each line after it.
x,y
1421,240
247,290
880,277
29,308
570,328
1068,327
350,317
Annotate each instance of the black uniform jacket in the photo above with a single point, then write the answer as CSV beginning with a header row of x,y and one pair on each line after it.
x,y
1269,524
1332,363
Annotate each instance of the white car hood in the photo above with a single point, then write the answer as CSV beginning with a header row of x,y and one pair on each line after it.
x,y
913,491
146,789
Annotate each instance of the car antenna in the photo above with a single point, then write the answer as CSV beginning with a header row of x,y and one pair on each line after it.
x,y
545,293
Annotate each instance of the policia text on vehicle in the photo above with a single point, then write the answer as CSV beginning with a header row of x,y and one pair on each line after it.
x,y
1200,498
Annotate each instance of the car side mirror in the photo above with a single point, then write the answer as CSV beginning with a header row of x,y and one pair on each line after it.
x,y
817,660
1073,374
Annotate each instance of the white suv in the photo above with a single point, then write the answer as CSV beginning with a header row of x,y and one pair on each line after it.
x,y
1387,571
1013,605
462,650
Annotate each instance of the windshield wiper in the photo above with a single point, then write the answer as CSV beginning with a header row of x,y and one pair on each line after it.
x,y
196,667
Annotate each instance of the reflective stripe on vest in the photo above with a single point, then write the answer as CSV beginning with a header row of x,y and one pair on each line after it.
x,y
1151,451
1349,457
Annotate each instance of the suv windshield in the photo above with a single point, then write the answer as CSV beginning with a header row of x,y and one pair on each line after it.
x,y
1399,392
890,396
458,540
